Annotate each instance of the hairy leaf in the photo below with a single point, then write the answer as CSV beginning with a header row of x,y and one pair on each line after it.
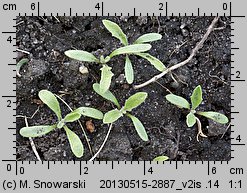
x,y
116,31
112,116
90,112
217,117
35,131
50,100
190,119
107,95
150,37
196,97
135,100
75,142
178,101
73,116
131,49
19,65
81,55
161,158
139,127
129,72
154,61
105,81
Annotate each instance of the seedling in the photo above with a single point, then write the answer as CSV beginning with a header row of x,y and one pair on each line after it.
x,y
139,47
131,103
51,101
191,119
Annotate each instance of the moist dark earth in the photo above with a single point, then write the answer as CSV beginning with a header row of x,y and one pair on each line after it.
x,y
46,39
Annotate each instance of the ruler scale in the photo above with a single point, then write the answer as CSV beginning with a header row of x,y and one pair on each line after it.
x,y
123,176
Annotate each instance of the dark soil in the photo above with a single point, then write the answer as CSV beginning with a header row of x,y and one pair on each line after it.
x,y
46,38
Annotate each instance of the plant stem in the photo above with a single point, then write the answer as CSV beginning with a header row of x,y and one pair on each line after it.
x,y
101,147
193,53
32,143
83,130
200,133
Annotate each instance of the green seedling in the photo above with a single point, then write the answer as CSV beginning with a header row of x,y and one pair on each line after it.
x,y
131,103
139,47
191,119
117,32
161,158
51,101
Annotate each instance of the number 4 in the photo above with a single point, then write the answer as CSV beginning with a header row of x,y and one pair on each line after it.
x,y
97,6
9,39
238,138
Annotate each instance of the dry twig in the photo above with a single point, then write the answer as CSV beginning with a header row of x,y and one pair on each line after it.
x,y
193,53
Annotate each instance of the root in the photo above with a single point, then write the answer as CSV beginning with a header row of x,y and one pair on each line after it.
x,y
32,143
103,144
200,133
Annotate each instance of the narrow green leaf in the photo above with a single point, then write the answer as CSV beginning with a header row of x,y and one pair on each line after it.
x,y
161,158
217,117
75,142
150,37
81,55
196,97
139,127
116,31
36,131
190,119
90,112
73,116
50,100
154,61
112,116
129,72
135,100
19,65
131,49
107,95
105,81
178,101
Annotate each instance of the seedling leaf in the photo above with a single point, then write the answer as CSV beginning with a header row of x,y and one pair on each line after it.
x,y
105,81
190,119
178,101
154,61
81,55
139,127
71,117
19,65
161,158
135,100
112,116
196,97
150,37
129,72
217,117
75,142
131,49
90,112
107,95
116,31
50,100
36,131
